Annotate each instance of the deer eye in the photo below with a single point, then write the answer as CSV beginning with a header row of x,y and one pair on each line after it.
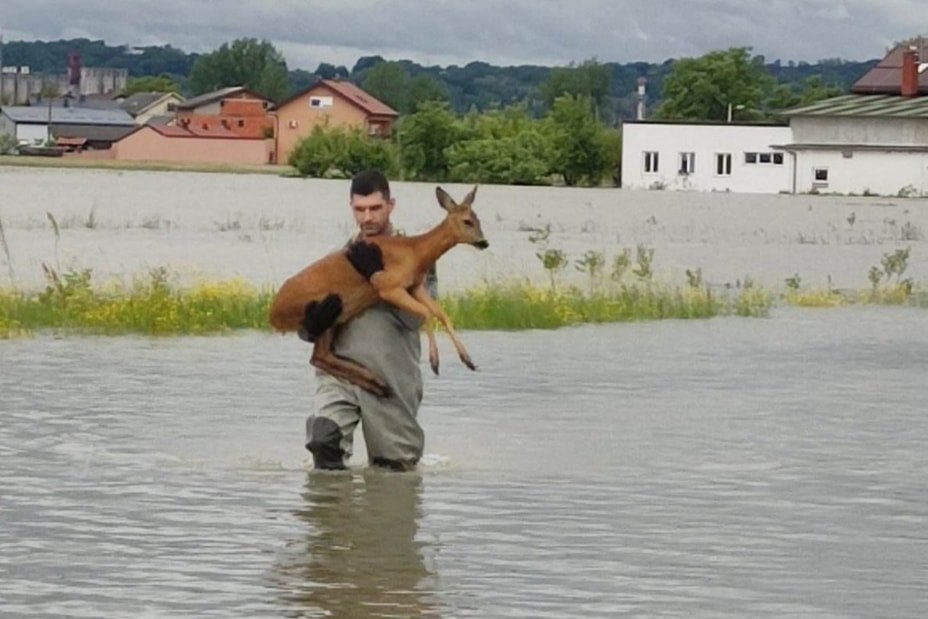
x,y
468,223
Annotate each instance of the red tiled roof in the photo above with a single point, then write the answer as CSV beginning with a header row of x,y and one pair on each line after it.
x,y
352,93
360,98
886,76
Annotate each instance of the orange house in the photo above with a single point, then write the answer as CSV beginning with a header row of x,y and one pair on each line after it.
x,y
236,109
331,103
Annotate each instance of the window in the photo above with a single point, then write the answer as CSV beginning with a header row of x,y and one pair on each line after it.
x,y
821,175
723,164
687,163
764,158
320,102
650,161
241,123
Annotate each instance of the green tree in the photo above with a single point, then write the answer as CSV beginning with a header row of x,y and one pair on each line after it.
x,y
245,62
423,88
328,71
588,79
162,83
423,138
812,89
703,88
389,82
578,141
501,146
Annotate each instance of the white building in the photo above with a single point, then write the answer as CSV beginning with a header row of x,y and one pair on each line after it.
x,y
31,124
860,144
872,141
705,156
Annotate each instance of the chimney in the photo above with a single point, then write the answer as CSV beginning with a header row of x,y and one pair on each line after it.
x,y
909,73
639,108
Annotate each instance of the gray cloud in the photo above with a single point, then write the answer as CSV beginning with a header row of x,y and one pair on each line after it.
x,y
443,32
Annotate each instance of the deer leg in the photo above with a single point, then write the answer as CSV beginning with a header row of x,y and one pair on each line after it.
x,y
324,359
400,298
423,296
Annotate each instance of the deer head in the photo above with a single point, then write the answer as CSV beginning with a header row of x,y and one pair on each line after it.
x,y
462,218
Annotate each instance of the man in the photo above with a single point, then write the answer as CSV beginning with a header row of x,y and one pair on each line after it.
x,y
385,340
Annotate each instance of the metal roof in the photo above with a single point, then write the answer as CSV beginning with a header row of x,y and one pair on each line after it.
x,y
38,114
137,103
217,95
865,106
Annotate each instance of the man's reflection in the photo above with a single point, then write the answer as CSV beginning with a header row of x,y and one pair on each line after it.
x,y
359,557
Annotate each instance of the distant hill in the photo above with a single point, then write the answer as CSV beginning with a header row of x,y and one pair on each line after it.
x,y
477,85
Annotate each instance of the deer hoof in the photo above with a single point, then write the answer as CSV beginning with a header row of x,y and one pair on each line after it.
x,y
434,365
470,364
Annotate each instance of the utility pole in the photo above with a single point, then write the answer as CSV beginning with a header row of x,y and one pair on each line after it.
x,y
1,69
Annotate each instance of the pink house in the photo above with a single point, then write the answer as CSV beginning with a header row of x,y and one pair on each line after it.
x,y
193,145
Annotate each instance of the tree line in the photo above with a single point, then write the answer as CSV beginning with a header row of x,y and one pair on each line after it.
x,y
508,145
477,86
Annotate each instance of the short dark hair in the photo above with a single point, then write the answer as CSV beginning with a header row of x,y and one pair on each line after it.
x,y
371,181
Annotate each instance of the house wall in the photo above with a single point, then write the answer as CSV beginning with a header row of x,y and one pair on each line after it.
x,y
146,144
7,126
159,109
33,134
843,130
873,171
705,141
296,119
244,117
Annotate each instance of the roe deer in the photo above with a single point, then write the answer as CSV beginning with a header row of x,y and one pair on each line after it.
x,y
341,285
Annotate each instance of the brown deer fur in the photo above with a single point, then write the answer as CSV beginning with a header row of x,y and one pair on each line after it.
x,y
351,280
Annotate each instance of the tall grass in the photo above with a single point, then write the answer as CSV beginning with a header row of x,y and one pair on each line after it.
x,y
71,302
523,306
151,305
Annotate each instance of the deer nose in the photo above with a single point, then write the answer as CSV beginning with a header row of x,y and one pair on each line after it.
x,y
481,244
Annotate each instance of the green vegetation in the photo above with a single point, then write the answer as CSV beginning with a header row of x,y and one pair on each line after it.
x,y
704,88
71,302
151,83
390,83
346,150
499,146
887,287
257,65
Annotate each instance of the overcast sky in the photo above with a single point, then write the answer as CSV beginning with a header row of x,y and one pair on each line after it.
x,y
502,32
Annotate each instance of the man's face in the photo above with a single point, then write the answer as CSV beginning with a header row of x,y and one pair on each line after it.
x,y
371,213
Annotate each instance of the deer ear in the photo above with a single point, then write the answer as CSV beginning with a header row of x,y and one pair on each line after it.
x,y
469,198
444,199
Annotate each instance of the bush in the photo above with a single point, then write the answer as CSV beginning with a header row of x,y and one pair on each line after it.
x,y
344,150
8,144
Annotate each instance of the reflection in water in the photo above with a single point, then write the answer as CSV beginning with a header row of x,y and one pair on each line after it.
x,y
359,557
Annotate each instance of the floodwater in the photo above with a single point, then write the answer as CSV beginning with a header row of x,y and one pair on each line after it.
x,y
264,228
719,468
